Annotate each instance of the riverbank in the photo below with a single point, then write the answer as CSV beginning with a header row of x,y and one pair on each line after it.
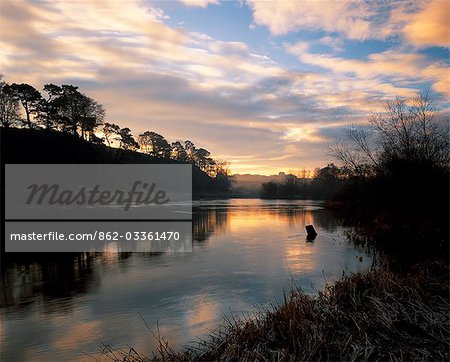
x,y
377,315
40,146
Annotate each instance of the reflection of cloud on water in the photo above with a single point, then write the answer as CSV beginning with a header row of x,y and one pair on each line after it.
x,y
241,216
81,333
240,221
202,315
300,256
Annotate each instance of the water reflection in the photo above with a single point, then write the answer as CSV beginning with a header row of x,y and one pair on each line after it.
x,y
56,306
28,277
207,221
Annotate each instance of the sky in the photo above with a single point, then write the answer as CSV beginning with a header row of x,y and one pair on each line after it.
x,y
265,85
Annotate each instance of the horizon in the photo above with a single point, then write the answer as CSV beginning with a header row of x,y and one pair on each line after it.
x,y
256,83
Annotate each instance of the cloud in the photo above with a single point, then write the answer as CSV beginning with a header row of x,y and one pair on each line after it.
x,y
422,23
157,14
78,36
240,104
199,3
402,68
430,26
385,63
336,44
282,17
229,48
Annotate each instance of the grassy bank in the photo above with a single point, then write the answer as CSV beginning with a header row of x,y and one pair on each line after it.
x,y
377,315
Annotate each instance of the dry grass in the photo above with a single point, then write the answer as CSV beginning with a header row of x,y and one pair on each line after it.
x,y
375,315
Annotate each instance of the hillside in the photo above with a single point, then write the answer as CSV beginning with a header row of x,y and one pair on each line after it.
x,y
19,145
253,182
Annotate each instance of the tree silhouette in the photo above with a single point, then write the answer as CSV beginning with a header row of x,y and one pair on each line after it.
x,y
397,175
64,108
413,132
92,115
269,190
70,103
95,139
221,172
154,144
145,142
178,151
190,150
405,132
28,96
48,110
126,139
110,130
69,110
201,158
9,107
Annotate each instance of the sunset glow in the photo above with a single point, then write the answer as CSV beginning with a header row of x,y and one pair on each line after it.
x,y
262,84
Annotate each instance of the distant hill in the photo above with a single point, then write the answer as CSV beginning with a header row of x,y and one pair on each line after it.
x,y
20,145
251,184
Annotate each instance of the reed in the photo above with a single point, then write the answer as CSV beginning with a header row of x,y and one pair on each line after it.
x,y
376,315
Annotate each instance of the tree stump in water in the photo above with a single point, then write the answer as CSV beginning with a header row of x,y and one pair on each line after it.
x,y
311,232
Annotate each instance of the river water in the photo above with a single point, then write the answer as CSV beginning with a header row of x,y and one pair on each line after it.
x,y
246,254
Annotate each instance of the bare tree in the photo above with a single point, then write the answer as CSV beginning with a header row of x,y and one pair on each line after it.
x,y
409,130
357,151
413,131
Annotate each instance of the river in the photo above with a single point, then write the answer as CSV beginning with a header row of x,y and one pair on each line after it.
x,y
246,254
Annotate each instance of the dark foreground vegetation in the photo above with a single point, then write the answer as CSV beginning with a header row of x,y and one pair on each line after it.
x,y
397,190
373,316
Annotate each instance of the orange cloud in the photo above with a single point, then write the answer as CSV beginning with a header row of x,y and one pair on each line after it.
x,y
422,23
430,26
